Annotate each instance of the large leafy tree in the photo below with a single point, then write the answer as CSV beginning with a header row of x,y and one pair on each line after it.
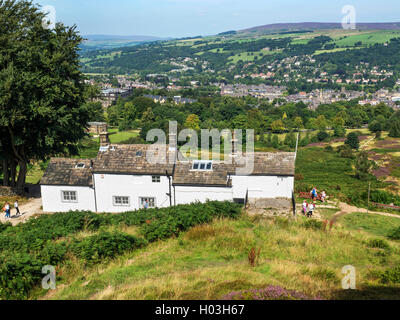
x,y
42,111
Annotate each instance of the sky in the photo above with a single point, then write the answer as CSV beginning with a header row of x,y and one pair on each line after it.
x,y
181,18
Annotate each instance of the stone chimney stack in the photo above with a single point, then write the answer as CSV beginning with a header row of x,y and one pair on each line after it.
x,y
234,144
104,140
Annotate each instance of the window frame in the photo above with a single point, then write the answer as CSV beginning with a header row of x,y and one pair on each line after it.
x,y
141,205
205,164
122,204
70,192
155,179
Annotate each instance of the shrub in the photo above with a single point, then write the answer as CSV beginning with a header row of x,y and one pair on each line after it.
x,y
105,245
378,243
395,234
313,224
4,226
322,135
352,140
390,276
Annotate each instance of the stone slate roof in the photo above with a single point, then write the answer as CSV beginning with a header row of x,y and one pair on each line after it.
x,y
132,159
271,163
63,172
184,175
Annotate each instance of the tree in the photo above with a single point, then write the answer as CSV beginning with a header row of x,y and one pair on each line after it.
x,y
192,122
363,165
275,141
298,123
95,111
277,126
352,140
394,130
321,123
375,126
43,112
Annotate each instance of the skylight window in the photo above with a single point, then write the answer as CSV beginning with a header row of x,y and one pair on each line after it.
x,y
139,153
80,165
202,165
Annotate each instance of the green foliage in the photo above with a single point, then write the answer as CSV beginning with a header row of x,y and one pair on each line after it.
x,y
394,130
352,140
26,248
313,224
322,136
379,244
363,166
394,234
104,245
43,113
390,276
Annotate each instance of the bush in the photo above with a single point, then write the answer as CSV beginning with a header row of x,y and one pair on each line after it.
x,y
313,224
322,136
390,276
352,140
394,234
105,245
378,243
345,151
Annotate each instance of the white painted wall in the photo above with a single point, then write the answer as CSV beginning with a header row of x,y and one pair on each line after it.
x,y
52,200
186,194
262,186
134,187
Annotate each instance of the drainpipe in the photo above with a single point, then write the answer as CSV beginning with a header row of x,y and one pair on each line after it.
x,y
94,187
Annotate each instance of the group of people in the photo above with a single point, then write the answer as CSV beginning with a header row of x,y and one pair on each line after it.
x,y
314,195
309,208
7,209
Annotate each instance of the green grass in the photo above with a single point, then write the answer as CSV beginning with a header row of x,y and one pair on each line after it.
x,y
369,38
328,171
121,136
371,223
210,261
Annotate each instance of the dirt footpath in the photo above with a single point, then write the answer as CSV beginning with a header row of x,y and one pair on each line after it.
x,y
32,207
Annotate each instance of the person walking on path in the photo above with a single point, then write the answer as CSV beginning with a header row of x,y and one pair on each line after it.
x,y
305,206
16,206
311,209
314,194
7,210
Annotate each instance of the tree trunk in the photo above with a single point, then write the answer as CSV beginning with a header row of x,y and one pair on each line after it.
x,y
6,173
21,176
13,172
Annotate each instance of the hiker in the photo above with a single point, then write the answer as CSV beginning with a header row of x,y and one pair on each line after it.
x,y
16,206
7,210
323,196
311,209
314,194
146,204
305,206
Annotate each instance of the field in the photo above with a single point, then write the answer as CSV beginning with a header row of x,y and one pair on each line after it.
x,y
211,261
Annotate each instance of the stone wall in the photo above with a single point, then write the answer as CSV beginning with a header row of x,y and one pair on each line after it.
x,y
7,192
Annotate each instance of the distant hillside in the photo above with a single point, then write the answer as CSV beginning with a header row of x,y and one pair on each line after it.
x,y
100,41
321,25
136,38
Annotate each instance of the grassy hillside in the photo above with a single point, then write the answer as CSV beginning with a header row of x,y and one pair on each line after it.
x,y
211,261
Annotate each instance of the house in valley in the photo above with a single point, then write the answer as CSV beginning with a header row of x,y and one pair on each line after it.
x,y
122,179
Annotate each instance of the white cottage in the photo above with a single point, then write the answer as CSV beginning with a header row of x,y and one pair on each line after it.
x,y
121,179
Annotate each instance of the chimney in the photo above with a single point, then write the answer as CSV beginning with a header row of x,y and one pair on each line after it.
x,y
104,140
234,144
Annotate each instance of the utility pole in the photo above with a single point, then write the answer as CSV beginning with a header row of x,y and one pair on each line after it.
x,y
297,143
369,194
